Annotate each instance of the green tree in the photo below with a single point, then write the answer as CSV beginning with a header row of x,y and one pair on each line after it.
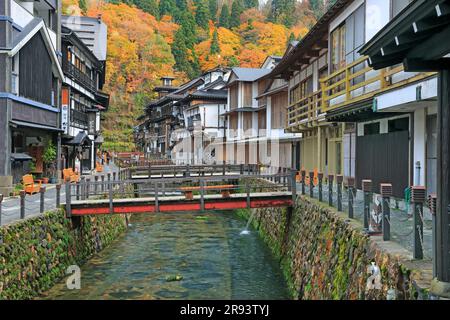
x,y
83,5
291,37
236,10
319,7
202,14
212,9
149,6
251,4
167,7
224,19
281,11
215,48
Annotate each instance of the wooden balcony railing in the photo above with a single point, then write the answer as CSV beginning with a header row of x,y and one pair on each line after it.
x,y
357,82
353,83
305,110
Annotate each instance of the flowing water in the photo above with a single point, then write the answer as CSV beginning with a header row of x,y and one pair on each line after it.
x,y
181,256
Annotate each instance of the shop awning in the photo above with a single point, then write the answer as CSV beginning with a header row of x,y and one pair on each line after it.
x,y
99,139
79,139
23,124
20,157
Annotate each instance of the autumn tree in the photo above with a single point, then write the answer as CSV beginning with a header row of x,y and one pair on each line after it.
x,y
236,10
202,14
224,19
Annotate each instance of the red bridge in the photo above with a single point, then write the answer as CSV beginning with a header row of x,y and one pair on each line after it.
x,y
180,194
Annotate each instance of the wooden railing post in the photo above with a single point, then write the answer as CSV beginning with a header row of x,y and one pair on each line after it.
x,y
293,184
42,200
22,204
311,184
88,187
320,177
58,195
339,181
330,189
1,200
110,194
432,204
386,193
303,173
68,198
351,188
367,189
156,197
418,198
96,184
202,195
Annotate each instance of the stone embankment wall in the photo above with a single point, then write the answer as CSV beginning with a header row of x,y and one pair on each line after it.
x,y
35,253
326,256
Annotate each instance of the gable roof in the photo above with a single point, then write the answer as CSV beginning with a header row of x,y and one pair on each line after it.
x,y
28,32
247,74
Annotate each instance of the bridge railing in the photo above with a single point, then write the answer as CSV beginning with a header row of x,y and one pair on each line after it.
x,y
155,171
192,187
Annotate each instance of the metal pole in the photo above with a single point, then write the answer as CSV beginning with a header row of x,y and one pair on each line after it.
x,y
432,204
320,176
351,188
96,184
156,197
22,204
386,193
78,190
103,183
418,198
83,187
293,186
202,195
149,170
1,200
42,200
88,187
339,180
247,187
110,191
58,195
68,199
303,172
367,189
311,184
330,189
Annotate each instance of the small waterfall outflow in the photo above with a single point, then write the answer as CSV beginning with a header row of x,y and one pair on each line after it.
x,y
246,231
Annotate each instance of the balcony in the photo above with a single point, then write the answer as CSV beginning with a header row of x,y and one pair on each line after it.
x,y
305,112
74,73
356,82
78,119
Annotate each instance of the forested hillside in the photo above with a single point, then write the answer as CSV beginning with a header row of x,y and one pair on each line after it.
x,y
151,38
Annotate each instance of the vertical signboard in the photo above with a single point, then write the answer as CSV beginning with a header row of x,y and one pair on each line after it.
x,y
65,110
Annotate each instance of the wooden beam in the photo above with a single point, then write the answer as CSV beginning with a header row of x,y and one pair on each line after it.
x,y
419,65
437,46
429,24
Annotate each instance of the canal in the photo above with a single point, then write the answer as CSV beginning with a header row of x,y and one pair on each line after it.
x,y
181,256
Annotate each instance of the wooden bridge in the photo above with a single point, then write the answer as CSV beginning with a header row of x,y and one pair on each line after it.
x,y
151,170
187,193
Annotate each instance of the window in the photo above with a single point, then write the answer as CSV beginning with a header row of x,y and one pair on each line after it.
x,y
15,74
338,48
398,6
371,128
401,124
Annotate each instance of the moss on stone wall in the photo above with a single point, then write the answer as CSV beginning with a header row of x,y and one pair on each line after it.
x,y
326,257
34,253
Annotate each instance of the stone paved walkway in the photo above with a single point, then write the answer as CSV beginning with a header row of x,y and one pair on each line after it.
x,y
11,205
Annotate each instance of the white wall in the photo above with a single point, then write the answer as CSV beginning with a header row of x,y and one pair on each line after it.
x,y
420,145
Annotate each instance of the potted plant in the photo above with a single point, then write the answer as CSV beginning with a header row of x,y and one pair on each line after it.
x,y
49,158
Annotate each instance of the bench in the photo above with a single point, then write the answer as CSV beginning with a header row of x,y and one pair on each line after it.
x,y
70,175
224,190
98,167
30,186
